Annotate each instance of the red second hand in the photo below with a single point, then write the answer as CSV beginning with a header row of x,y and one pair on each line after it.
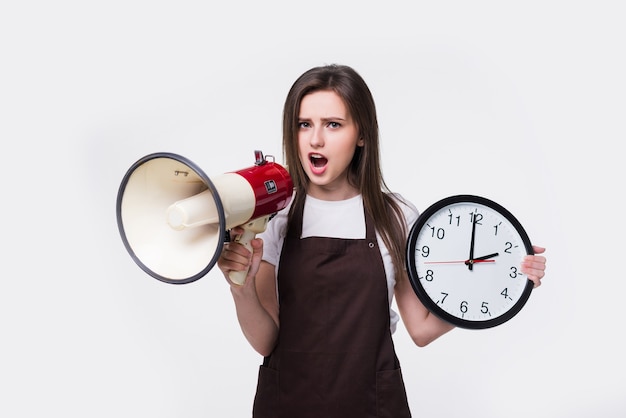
x,y
458,262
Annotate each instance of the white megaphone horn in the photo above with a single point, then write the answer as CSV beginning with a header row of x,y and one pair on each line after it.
x,y
174,219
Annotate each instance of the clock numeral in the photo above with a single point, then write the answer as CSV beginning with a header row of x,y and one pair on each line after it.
x,y
513,273
429,276
495,228
443,299
476,217
485,308
425,251
440,233
508,246
463,307
452,218
505,293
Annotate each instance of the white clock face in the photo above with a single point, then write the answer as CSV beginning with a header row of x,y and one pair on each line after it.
x,y
474,283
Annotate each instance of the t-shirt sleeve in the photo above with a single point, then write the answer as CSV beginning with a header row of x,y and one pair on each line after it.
x,y
410,211
273,237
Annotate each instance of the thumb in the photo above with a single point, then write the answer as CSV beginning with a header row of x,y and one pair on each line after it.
x,y
257,255
538,250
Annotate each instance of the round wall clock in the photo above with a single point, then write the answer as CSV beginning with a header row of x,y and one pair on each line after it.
x,y
463,258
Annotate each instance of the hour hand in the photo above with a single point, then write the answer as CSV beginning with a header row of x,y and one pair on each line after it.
x,y
486,257
483,259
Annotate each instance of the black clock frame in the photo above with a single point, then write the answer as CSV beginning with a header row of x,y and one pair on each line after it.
x,y
412,268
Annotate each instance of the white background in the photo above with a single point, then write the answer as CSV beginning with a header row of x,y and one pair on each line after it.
x,y
522,102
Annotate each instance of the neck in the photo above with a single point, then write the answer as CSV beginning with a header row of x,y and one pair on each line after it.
x,y
327,193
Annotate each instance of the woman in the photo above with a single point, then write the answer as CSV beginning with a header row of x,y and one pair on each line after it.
x,y
316,301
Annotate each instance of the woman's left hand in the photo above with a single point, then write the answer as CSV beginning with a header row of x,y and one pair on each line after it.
x,y
534,266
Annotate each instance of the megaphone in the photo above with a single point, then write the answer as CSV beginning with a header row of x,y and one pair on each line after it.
x,y
174,219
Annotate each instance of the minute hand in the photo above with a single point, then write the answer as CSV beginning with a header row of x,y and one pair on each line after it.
x,y
470,261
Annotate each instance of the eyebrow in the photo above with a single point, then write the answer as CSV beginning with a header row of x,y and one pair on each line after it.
x,y
328,119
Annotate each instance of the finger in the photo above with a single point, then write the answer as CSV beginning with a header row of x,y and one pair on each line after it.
x,y
538,250
234,257
256,257
232,234
536,280
534,261
536,269
533,273
235,249
237,258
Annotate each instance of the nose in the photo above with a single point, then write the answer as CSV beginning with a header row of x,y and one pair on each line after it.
x,y
317,138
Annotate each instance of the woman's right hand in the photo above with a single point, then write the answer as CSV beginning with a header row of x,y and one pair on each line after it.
x,y
236,257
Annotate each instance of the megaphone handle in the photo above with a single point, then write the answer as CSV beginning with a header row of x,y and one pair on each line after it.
x,y
249,232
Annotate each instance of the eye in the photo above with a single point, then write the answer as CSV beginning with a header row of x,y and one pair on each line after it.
x,y
303,124
334,125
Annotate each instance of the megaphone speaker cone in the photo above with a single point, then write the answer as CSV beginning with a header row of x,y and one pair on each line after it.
x,y
170,244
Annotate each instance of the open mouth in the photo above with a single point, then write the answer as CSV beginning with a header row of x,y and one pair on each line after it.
x,y
317,160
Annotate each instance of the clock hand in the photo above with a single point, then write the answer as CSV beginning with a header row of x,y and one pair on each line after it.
x,y
483,259
470,261
466,262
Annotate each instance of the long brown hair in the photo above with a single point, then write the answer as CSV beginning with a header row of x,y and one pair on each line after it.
x,y
364,171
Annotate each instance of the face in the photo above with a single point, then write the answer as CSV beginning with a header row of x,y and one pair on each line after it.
x,y
327,140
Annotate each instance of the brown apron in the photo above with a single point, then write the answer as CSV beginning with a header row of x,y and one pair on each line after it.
x,y
334,356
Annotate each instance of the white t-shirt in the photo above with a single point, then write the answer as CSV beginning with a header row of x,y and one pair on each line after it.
x,y
334,219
